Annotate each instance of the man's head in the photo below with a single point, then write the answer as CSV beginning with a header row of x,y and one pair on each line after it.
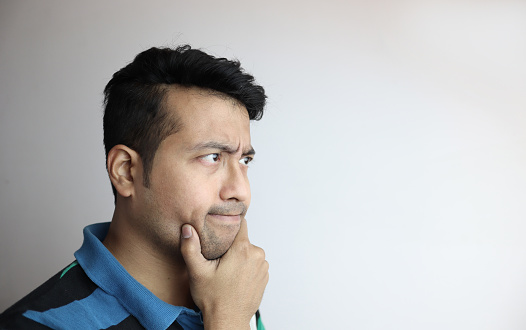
x,y
134,114
177,140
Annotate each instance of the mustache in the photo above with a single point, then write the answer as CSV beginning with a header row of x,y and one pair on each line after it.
x,y
230,208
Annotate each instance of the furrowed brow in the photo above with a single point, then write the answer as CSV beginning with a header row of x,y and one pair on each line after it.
x,y
222,147
249,152
213,145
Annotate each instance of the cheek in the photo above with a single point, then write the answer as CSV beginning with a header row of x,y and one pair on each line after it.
x,y
186,191
195,196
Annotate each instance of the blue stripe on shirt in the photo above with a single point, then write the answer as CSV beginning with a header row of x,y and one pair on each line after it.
x,y
97,311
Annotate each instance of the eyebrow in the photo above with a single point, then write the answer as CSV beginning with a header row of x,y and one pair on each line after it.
x,y
249,151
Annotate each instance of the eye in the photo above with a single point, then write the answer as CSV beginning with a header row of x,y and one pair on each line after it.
x,y
211,158
245,160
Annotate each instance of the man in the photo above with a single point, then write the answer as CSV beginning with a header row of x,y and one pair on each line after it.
x,y
176,254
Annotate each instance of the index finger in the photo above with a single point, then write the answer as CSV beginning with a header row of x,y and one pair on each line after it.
x,y
242,234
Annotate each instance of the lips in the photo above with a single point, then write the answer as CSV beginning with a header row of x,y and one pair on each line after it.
x,y
226,217
228,210
226,214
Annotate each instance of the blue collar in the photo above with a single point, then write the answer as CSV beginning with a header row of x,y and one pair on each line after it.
x,y
105,271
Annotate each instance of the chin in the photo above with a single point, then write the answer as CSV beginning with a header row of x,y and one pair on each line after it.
x,y
215,250
215,243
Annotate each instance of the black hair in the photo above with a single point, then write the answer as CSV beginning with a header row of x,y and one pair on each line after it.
x,y
134,112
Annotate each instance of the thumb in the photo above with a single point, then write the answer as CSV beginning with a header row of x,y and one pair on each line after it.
x,y
191,249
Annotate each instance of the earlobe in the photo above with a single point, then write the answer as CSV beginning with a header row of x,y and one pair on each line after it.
x,y
121,164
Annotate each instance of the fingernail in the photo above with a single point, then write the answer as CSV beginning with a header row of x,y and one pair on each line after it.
x,y
187,231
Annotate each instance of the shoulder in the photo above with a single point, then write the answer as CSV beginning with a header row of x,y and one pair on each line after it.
x,y
67,286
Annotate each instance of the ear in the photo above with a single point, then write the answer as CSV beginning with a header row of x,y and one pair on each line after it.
x,y
124,169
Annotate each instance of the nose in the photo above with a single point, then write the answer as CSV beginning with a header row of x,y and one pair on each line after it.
x,y
235,185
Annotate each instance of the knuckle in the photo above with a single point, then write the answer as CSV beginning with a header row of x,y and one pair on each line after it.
x,y
243,248
259,252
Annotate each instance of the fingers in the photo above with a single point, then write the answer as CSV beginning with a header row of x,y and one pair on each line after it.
x,y
242,234
191,249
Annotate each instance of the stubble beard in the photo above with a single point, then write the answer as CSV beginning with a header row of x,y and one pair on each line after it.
x,y
214,246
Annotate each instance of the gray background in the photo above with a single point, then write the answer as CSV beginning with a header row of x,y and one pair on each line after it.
x,y
389,187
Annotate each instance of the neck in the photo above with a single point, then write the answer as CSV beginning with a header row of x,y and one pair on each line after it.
x,y
166,277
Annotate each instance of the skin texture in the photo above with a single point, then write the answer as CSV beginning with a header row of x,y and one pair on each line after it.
x,y
199,180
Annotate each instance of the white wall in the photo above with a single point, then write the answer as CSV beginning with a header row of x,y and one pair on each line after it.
x,y
390,185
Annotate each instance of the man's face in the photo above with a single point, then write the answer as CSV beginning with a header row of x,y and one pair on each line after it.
x,y
199,174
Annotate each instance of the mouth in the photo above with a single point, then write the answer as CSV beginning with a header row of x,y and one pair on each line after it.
x,y
226,217
229,213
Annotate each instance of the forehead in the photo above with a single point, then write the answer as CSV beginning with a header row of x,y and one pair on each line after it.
x,y
205,116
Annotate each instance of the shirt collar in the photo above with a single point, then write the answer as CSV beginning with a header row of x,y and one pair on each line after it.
x,y
105,271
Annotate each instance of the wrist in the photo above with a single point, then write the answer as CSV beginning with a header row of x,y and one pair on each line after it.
x,y
224,322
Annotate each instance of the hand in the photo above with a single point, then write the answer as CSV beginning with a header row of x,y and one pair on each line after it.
x,y
228,290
